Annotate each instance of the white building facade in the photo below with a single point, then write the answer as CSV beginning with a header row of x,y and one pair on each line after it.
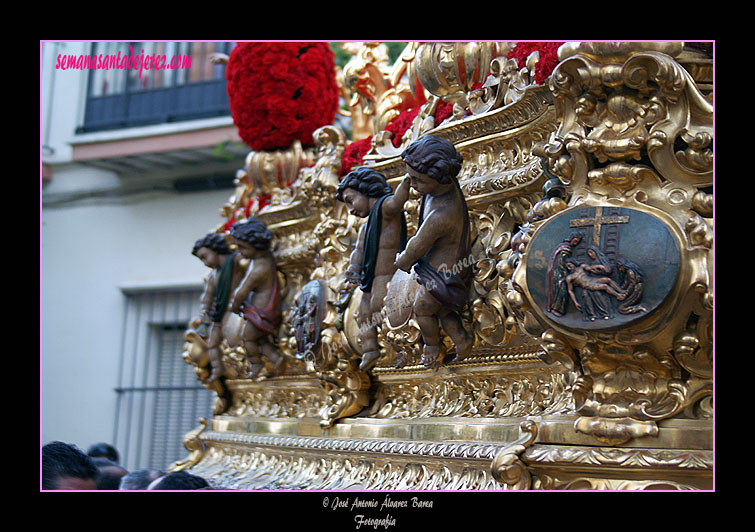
x,y
133,170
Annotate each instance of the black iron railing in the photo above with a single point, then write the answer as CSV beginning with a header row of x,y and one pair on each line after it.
x,y
121,98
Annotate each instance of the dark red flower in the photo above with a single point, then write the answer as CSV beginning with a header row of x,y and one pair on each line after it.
x,y
399,125
281,91
354,154
444,110
548,57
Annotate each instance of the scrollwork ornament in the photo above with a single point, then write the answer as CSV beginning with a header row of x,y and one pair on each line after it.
x,y
507,467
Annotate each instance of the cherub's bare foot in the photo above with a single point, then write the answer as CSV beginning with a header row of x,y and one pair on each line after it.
x,y
279,366
278,360
369,360
430,355
463,349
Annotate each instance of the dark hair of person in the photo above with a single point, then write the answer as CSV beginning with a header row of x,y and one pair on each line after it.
x,y
108,474
365,180
435,157
60,460
139,479
254,231
214,241
629,265
181,480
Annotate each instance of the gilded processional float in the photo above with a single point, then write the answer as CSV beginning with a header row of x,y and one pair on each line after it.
x,y
501,278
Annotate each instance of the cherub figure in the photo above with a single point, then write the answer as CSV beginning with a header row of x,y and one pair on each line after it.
x,y
257,297
440,250
368,195
215,253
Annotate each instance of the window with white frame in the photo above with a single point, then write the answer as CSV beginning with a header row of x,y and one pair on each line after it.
x,y
159,398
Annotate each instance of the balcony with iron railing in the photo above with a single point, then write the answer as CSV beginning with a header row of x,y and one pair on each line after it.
x,y
187,87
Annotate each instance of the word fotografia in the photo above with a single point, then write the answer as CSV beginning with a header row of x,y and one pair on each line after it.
x,y
374,522
138,62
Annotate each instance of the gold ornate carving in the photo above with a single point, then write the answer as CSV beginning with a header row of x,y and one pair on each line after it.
x,y
635,131
507,467
195,445
622,135
564,468
450,70
378,92
274,462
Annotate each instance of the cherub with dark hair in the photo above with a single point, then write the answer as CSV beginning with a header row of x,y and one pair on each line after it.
x,y
213,250
257,297
368,195
440,250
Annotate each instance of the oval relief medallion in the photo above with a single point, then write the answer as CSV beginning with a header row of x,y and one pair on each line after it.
x,y
595,268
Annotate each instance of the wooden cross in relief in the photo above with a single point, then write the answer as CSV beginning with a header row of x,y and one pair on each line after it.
x,y
597,222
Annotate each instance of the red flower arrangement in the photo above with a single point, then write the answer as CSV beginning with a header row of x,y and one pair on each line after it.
x,y
354,154
281,91
399,125
548,57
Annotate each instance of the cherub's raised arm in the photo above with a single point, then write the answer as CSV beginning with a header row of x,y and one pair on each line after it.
x,y
427,235
252,279
395,204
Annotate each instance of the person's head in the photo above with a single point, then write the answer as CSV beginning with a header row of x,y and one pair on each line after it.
x,y
571,265
624,264
210,248
431,161
251,236
103,450
66,467
359,186
596,254
109,474
574,238
139,479
178,480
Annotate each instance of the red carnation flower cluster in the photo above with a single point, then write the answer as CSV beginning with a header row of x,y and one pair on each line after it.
x,y
400,125
548,57
281,91
355,152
